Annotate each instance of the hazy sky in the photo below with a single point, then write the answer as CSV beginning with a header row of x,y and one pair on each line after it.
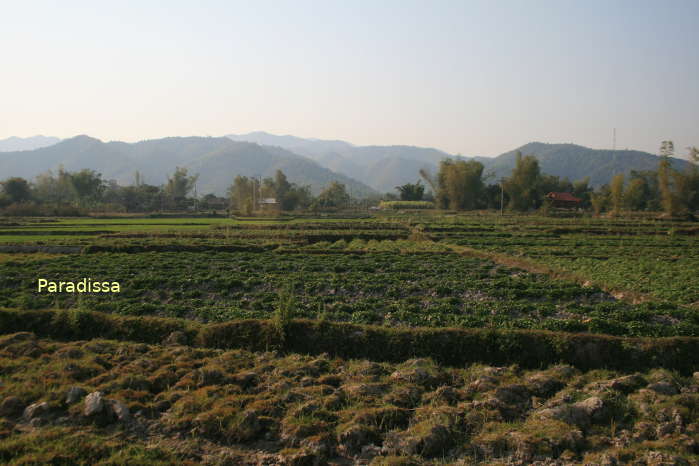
x,y
469,77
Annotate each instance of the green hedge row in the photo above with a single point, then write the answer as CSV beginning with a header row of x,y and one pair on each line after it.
x,y
448,346
406,205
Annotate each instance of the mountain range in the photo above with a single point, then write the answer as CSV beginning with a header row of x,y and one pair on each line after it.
x,y
216,160
35,142
315,162
385,167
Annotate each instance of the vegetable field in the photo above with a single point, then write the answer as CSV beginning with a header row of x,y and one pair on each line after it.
x,y
401,338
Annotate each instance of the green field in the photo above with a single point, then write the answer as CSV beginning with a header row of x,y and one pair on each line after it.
x,y
415,338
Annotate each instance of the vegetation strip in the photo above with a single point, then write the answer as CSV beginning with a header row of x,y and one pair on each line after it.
x,y
531,266
448,346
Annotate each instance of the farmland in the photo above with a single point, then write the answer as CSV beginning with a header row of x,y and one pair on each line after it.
x,y
395,339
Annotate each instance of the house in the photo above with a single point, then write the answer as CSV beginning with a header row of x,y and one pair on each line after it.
x,y
268,203
564,200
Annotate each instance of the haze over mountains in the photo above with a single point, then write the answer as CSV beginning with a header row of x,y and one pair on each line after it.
x,y
15,144
315,162
384,167
216,160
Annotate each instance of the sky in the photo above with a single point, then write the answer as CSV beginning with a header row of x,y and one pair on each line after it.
x,y
467,77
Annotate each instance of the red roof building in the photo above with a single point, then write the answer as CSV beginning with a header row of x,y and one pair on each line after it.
x,y
563,199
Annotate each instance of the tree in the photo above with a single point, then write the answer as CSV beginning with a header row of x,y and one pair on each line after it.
x,y
289,195
667,196
180,184
616,190
87,185
242,194
635,194
54,189
460,184
648,180
16,189
411,191
522,186
281,184
429,179
600,199
333,196
583,190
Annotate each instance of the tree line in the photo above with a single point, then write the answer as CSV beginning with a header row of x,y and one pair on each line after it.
x,y
463,185
73,193
69,193
457,185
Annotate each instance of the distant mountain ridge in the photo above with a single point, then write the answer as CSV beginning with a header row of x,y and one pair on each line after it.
x,y
216,160
384,167
577,162
381,167
315,162
14,143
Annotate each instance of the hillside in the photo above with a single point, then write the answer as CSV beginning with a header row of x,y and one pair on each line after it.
x,y
35,142
216,160
385,167
381,167
576,162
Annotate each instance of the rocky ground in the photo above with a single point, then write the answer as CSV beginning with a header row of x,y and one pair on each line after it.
x,y
106,402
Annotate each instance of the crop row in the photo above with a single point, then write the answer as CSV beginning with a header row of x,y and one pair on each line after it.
x,y
378,288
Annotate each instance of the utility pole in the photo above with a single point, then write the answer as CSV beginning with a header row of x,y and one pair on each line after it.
x,y
614,139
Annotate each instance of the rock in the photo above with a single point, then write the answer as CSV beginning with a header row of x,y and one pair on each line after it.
x,y
35,410
176,338
627,384
11,406
119,409
581,414
695,376
94,404
664,388
74,394
593,407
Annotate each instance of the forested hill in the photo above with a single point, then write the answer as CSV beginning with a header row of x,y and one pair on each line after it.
x,y
576,162
384,167
381,167
216,160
